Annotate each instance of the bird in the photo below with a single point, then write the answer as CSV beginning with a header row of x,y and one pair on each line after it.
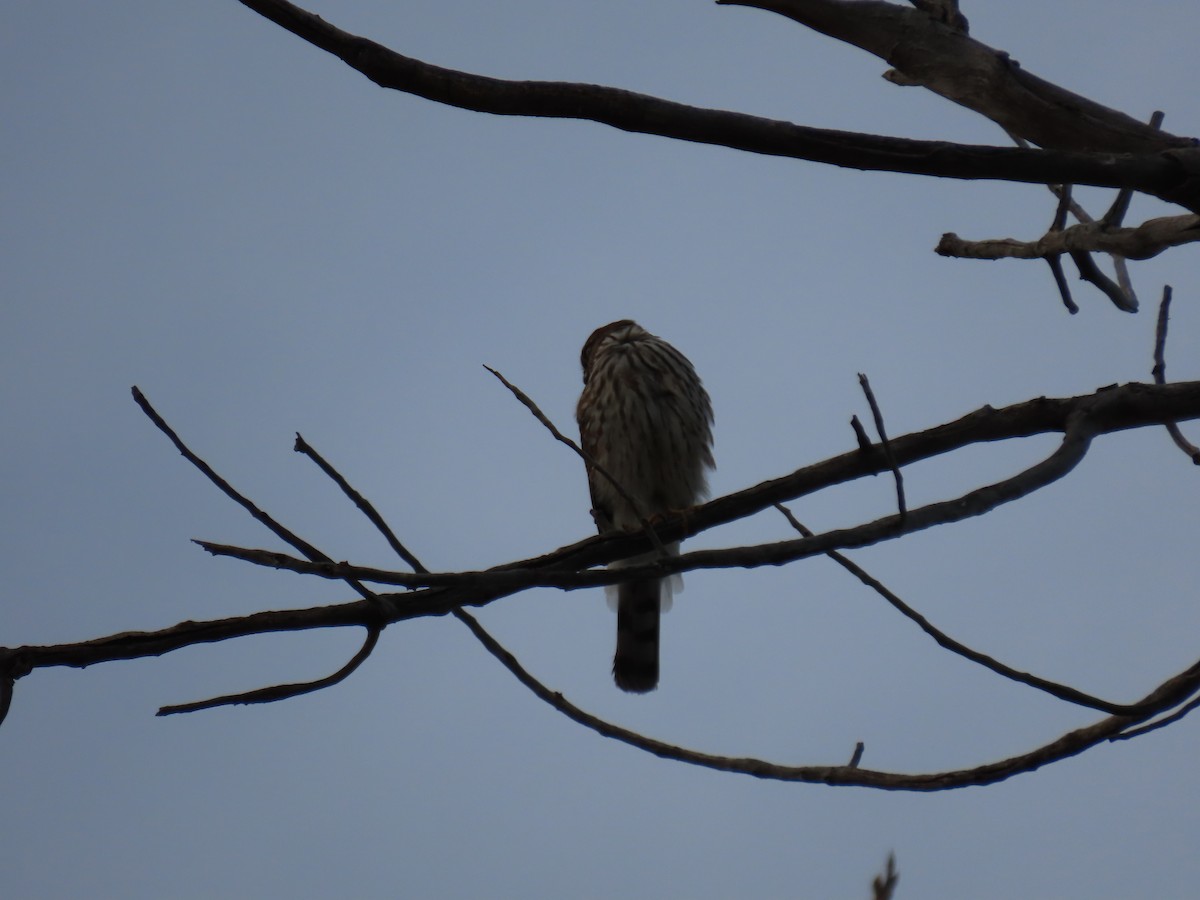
x,y
646,420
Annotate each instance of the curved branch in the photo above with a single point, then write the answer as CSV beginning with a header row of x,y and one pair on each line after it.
x,y
283,691
1053,688
1173,175
1168,695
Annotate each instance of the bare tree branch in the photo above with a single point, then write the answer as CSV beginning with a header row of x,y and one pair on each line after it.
x,y
1160,372
967,72
1054,689
284,691
527,402
363,504
884,885
1080,419
877,414
506,580
1168,695
276,528
1144,159
1147,240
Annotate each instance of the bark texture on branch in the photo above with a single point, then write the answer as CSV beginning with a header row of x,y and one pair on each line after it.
x,y
1149,239
949,62
1172,174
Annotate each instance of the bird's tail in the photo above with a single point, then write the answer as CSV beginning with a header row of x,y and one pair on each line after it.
x,y
635,664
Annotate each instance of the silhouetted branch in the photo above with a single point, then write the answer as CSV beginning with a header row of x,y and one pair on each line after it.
x,y
884,885
1160,372
1166,696
275,692
1131,155
877,414
506,580
587,458
1061,691
283,691
1113,409
1143,242
363,504
1189,707
276,528
1079,418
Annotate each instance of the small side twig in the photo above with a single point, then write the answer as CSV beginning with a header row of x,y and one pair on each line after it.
x,y
1160,373
1054,689
277,692
884,885
1090,272
283,691
1054,260
887,447
860,435
528,403
1116,213
1060,281
364,505
1159,723
857,755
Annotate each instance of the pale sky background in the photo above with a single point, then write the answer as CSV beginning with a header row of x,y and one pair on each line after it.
x,y
196,202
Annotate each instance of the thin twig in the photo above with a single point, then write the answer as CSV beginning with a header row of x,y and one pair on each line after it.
x,y
1054,260
857,755
1061,691
884,885
1060,212
364,505
1116,213
1159,723
1121,291
276,692
283,691
860,435
1060,281
1070,744
276,528
1160,372
305,548
1090,272
587,458
887,447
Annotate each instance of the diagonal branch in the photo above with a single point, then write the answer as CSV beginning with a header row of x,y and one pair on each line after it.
x,y
588,459
1054,689
1168,695
364,505
949,62
1173,175
276,528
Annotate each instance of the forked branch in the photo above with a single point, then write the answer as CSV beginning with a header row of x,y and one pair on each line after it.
x,y
1117,154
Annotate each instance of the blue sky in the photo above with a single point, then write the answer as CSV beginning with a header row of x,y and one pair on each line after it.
x,y
198,203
